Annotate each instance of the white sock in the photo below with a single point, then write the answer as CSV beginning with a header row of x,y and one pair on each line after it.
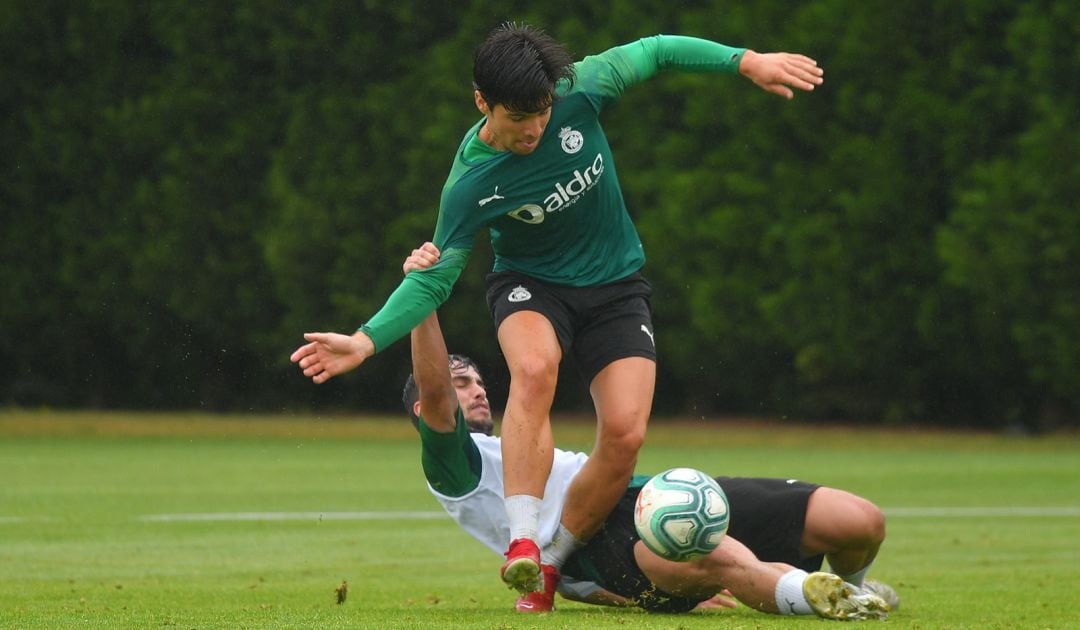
x,y
857,577
789,594
561,547
523,512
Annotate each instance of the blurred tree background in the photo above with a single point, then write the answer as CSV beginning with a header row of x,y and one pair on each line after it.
x,y
188,187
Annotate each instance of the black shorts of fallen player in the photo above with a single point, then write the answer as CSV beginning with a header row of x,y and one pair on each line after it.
x,y
767,515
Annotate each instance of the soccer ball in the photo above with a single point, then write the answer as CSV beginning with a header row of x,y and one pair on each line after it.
x,y
681,514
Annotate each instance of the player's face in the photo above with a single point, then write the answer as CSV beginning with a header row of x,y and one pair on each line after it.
x,y
472,397
506,130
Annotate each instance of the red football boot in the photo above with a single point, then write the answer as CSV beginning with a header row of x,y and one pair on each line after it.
x,y
543,600
521,571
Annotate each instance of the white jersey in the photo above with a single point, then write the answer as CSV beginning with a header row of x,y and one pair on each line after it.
x,y
481,512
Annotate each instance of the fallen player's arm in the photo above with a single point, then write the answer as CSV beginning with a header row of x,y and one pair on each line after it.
x,y
438,402
590,593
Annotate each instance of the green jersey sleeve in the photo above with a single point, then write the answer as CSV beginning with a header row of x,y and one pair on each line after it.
x,y
423,291
451,461
609,73
418,295
687,54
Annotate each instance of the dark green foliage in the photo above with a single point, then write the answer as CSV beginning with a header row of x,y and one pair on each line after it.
x,y
187,188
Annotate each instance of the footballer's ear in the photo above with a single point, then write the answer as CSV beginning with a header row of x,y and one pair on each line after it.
x,y
481,104
416,409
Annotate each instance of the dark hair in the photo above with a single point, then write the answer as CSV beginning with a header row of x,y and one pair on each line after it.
x,y
518,66
411,393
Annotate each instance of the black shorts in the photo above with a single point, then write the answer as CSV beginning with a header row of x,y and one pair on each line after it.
x,y
595,325
767,515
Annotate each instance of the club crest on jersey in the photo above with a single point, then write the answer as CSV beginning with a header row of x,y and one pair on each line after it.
x,y
519,294
572,140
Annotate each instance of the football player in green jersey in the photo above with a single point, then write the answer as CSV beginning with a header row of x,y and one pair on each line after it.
x,y
537,173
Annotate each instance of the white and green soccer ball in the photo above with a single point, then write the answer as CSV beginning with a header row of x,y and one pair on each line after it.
x,y
681,514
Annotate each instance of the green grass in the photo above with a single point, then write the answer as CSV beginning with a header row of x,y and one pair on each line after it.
x,y
77,547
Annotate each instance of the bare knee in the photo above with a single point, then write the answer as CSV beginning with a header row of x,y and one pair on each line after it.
x,y
629,439
873,522
622,393
534,374
620,446
865,521
836,519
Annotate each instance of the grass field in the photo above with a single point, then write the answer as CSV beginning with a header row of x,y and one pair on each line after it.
x,y
198,521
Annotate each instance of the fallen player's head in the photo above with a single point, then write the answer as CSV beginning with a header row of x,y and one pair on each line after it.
x,y
471,395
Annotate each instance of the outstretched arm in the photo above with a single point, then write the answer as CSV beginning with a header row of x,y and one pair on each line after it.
x,y
327,355
612,71
451,461
430,360
599,597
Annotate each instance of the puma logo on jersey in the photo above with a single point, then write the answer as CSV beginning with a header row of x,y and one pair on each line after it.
x,y
645,330
487,200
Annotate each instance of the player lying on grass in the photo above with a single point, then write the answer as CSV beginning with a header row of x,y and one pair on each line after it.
x,y
790,525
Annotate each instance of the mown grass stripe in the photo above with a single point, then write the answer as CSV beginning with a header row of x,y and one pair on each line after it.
x,y
292,516
982,512
895,512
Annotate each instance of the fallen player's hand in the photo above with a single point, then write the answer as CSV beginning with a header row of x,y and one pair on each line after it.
x,y
723,599
421,258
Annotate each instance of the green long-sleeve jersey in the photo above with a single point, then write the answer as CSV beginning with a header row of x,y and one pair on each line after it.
x,y
556,214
